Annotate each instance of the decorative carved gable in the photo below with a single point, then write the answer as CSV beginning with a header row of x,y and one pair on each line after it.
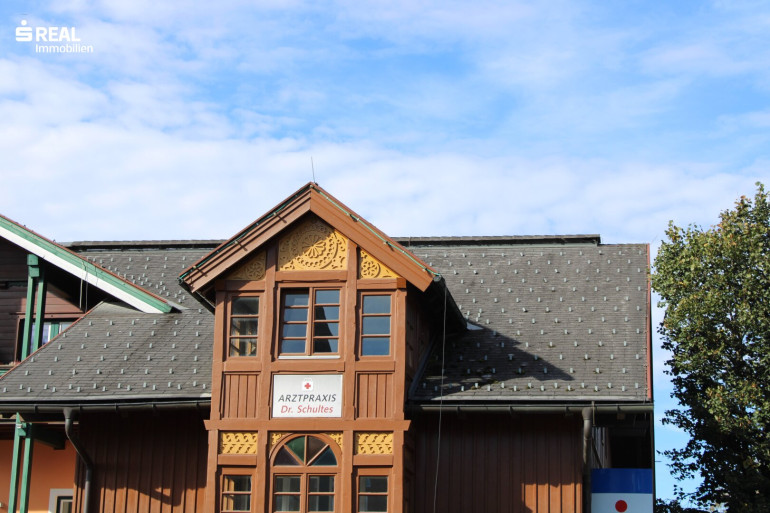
x,y
253,270
313,245
369,268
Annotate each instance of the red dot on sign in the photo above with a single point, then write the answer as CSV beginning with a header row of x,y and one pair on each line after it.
x,y
621,506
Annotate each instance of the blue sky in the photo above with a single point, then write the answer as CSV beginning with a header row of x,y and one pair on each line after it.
x,y
189,120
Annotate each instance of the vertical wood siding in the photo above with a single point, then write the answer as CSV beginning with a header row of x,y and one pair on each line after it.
x,y
374,398
499,464
144,462
239,397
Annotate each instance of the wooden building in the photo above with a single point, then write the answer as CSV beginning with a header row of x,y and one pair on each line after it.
x,y
312,363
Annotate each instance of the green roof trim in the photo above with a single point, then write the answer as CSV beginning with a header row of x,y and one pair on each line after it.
x,y
76,265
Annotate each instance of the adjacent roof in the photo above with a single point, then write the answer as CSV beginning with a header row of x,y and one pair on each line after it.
x,y
116,354
550,319
61,257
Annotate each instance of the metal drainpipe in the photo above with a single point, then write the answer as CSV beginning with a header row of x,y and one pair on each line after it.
x,y
73,438
588,421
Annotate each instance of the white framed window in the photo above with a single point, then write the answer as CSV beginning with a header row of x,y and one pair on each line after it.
x,y
60,500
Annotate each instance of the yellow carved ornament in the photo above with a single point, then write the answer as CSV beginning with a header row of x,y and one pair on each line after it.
x,y
275,437
238,442
374,443
369,268
313,246
336,436
253,270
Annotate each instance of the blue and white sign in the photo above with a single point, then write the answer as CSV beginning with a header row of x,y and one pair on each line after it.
x,y
621,490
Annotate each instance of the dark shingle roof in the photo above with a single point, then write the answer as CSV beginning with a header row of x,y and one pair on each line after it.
x,y
117,354
550,320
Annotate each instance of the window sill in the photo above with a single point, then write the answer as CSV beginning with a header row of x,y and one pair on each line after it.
x,y
309,357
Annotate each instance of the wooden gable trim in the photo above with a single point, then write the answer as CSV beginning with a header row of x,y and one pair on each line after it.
x,y
309,198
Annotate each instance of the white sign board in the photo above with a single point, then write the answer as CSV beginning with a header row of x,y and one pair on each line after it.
x,y
307,395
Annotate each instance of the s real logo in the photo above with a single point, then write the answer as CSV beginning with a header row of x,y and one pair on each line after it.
x,y
25,34
52,39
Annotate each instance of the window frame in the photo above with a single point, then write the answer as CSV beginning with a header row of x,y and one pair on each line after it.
x,y
236,472
58,497
373,472
305,472
310,322
229,337
361,316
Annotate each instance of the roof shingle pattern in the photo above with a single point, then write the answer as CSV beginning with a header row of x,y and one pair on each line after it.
x,y
549,321
116,353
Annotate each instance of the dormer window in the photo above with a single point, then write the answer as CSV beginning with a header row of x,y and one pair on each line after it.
x,y
310,322
375,325
244,325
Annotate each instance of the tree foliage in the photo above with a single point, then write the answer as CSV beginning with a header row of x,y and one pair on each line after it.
x,y
715,288
672,506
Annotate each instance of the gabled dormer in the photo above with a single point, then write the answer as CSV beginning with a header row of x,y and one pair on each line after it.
x,y
321,322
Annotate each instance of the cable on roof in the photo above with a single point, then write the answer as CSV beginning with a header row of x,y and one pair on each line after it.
x,y
441,403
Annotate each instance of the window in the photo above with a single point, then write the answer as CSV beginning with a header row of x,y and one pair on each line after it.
x,y
310,321
372,493
236,493
375,325
304,476
51,329
244,325
60,500
64,504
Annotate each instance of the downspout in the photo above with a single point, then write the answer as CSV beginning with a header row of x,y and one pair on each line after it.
x,y
588,421
73,438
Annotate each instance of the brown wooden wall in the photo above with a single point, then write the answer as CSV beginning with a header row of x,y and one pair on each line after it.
x,y
498,464
144,462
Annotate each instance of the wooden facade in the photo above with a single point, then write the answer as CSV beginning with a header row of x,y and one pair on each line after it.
x,y
367,433
148,462
501,463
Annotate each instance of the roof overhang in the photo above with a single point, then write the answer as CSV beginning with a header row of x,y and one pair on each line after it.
x,y
59,256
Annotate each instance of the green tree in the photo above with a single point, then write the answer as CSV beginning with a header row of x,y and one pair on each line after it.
x,y
715,288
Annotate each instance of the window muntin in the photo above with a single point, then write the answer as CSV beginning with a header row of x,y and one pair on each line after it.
x,y
244,326
375,325
372,494
287,493
310,321
320,495
236,493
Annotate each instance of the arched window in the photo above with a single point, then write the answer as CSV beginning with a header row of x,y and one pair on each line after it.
x,y
305,475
